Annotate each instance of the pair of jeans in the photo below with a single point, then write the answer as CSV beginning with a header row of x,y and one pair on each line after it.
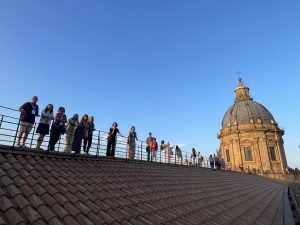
x,y
111,148
87,143
54,137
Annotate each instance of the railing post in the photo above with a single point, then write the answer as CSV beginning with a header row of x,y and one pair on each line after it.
x,y
1,120
98,143
188,163
175,157
34,126
160,156
16,134
141,150
59,142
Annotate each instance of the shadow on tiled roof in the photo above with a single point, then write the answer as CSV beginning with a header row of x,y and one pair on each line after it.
x,y
56,189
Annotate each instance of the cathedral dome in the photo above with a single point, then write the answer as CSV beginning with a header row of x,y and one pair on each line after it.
x,y
245,110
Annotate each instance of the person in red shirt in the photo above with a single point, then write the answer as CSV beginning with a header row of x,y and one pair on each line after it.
x,y
153,148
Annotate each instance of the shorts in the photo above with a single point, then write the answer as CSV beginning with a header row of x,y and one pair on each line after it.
x,y
25,126
42,128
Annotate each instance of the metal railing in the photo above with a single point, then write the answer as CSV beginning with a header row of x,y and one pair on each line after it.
x,y
10,125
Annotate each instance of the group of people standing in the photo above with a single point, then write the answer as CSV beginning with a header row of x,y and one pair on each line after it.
x,y
75,131
216,163
80,131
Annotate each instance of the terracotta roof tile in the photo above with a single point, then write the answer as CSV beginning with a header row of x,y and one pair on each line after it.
x,y
21,201
13,190
48,199
26,190
42,181
5,203
2,192
136,222
6,165
23,172
2,222
28,167
31,214
39,189
46,212
101,204
39,222
12,173
59,210
83,220
95,218
55,221
18,166
5,180
61,199
82,207
51,190
19,181
71,209
69,220
13,216
105,217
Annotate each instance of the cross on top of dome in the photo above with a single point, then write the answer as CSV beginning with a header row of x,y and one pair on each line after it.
x,y
240,79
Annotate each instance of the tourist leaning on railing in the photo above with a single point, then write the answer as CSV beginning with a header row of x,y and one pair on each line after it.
x,y
200,159
29,111
112,140
43,128
57,128
70,133
88,141
178,153
193,156
132,136
154,148
81,132
148,148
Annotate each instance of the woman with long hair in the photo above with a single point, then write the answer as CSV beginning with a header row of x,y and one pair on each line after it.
x,y
57,128
88,141
80,133
43,128
70,133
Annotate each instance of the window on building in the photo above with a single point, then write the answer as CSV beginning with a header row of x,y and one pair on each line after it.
x,y
248,154
272,153
227,155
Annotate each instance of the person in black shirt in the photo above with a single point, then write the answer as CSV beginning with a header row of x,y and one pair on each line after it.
x,y
112,140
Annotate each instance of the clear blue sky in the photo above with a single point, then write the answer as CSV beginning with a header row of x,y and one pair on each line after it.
x,y
165,66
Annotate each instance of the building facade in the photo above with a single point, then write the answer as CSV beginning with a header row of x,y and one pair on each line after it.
x,y
250,139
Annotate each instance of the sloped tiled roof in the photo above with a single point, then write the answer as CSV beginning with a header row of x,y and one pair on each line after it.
x,y
38,189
